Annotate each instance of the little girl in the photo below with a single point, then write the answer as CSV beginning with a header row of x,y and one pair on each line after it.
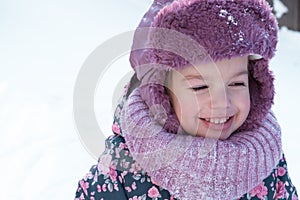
x,y
195,119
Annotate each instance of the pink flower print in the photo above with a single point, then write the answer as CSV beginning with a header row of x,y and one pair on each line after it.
x,y
120,179
135,198
104,187
116,187
281,171
128,189
124,173
260,191
132,168
280,190
98,188
104,163
122,145
116,128
126,153
113,174
84,185
81,197
133,186
153,192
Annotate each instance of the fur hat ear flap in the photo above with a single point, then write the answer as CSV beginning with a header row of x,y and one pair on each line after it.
x,y
261,92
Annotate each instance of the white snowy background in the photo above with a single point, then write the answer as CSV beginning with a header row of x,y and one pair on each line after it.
x,y
43,45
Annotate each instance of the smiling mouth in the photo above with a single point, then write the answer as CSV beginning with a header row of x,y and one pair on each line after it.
x,y
220,124
216,120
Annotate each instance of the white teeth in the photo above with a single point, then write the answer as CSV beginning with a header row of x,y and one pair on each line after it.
x,y
217,120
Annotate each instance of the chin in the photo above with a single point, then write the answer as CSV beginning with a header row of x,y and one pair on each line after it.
x,y
225,137
218,136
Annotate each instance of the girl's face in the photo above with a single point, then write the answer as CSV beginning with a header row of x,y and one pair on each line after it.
x,y
212,99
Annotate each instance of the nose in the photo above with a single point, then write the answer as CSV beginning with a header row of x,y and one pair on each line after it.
x,y
219,98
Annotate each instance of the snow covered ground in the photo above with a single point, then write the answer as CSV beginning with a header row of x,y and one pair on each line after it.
x,y
43,47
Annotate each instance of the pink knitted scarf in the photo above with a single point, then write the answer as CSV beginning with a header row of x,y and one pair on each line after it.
x,y
200,168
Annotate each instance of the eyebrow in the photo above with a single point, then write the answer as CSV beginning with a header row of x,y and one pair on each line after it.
x,y
199,77
244,72
192,76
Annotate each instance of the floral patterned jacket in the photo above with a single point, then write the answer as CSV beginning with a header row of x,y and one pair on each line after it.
x,y
118,177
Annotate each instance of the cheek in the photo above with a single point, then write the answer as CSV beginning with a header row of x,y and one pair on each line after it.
x,y
183,103
175,102
178,104
243,103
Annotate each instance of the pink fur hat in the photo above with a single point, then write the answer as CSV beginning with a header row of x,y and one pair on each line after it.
x,y
222,29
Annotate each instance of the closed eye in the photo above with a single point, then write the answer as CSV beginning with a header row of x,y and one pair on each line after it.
x,y
238,84
198,88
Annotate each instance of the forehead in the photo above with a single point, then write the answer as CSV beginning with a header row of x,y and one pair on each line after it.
x,y
224,68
